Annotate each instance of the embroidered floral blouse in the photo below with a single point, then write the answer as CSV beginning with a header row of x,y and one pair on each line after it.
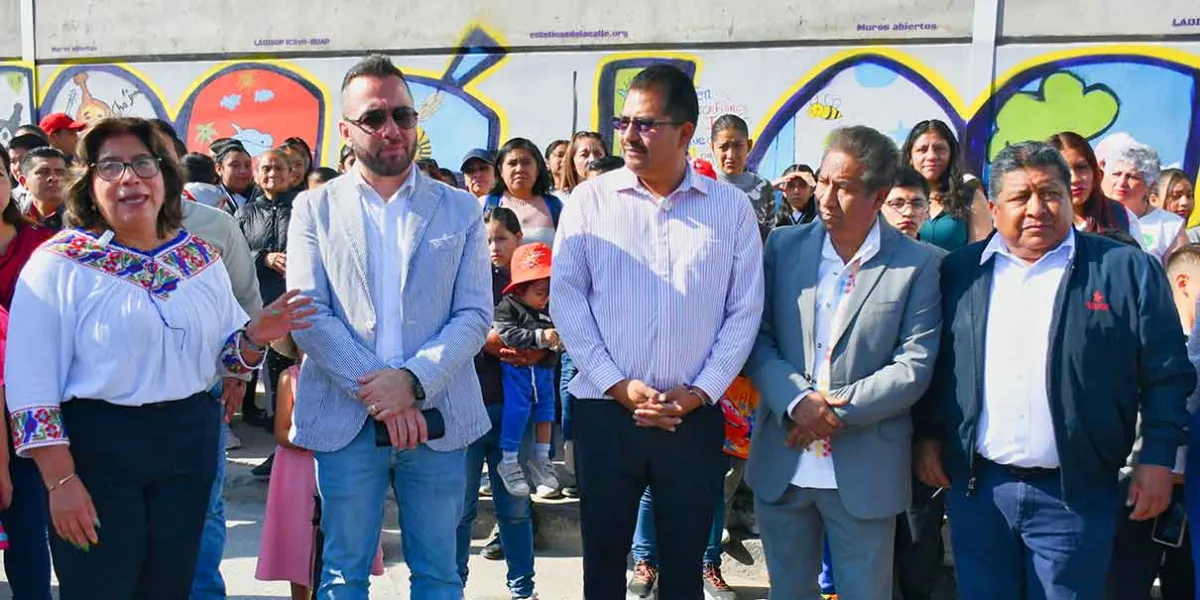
x,y
102,321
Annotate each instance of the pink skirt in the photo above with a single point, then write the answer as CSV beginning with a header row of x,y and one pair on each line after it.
x,y
286,553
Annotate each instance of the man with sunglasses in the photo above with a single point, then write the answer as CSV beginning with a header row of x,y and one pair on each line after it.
x,y
657,290
397,267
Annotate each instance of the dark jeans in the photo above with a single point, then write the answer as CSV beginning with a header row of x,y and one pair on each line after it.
x,y
1138,560
1016,539
149,471
919,548
567,372
27,561
513,514
616,461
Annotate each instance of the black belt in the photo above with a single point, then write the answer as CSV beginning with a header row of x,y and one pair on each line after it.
x,y
1022,473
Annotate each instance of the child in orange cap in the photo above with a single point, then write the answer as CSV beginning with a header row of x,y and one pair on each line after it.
x,y
522,319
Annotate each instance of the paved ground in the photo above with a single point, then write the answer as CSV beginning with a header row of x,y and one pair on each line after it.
x,y
559,573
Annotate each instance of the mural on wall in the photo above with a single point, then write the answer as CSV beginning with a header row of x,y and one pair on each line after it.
x,y
258,104
1151,94
613,76
16,99
92,92
886,91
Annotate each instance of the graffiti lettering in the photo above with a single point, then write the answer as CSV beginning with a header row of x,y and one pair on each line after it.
x,y
316,41
128,96
1186,22
901,26
579,33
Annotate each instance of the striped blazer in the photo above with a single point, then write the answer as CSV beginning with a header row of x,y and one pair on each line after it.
x,y
447,301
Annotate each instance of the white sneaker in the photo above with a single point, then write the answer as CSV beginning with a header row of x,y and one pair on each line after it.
x,y
232,441
514,478
485,485
541,471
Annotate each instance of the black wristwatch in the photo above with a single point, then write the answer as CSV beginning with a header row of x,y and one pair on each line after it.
x,y
418,389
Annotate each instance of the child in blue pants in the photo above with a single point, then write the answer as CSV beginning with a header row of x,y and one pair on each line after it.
x,y
522,321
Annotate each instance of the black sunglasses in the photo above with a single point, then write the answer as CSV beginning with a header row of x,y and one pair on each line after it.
x,y
641,125
374,120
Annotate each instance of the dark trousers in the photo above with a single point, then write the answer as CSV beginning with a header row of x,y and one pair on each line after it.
x,y
149,471
1138,560
1014,538
616,461
26,521
919,548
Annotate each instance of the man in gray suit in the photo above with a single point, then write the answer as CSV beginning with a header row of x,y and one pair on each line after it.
x,y
397,266
847,344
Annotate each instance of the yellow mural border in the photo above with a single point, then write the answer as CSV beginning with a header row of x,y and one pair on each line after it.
x,y
633,55
934,78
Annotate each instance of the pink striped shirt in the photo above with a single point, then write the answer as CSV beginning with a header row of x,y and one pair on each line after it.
x,y
666,291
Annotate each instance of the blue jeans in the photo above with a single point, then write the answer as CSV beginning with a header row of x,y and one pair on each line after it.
x,y
429,487
512,513
527,390
1015,538
645,540
567,373
208,582
27,522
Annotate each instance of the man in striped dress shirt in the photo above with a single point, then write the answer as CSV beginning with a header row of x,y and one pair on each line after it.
x,y
658,291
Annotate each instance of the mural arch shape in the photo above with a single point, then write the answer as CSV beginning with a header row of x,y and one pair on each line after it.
x,y
90,91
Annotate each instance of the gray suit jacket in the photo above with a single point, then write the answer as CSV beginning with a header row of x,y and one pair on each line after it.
x,y
883,359
447,309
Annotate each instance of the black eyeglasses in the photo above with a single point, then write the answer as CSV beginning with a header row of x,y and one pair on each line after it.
x,y
641,125
112,170
374,120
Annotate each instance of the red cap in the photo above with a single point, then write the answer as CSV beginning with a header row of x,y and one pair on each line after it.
x,y
704,168
56,122
530,262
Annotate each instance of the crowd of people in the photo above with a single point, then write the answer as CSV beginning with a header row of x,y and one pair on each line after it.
x,y
873,347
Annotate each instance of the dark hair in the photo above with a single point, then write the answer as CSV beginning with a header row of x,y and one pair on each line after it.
x,y
908,177
428,166
570,178
27,141
1026,155
377,66
799,168
30,130
44,153
541,184
12,213
198,168
606,164
226,146
505,217
553,146
302,146
957,197
1185,254
1097,209
733,122
81,206
448,177
874,152
324,174
346,152
679,93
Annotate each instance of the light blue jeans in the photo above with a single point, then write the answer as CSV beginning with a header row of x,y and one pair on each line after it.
x,y
208,583
429,488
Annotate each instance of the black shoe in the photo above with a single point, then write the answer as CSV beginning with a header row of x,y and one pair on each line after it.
x,y
264,470
493,550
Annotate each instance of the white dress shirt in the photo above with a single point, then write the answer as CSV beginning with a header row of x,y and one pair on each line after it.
x,y
386,253
665,290
835,281
1015,426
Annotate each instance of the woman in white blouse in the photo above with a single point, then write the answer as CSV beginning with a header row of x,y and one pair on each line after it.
x,y
119,327
1130,172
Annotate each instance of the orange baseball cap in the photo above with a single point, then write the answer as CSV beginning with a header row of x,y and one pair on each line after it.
x,y
530,262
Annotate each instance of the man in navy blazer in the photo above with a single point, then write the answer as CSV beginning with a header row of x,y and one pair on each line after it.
x,y
1054,342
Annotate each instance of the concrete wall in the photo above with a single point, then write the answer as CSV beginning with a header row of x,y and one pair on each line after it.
x,y
479,84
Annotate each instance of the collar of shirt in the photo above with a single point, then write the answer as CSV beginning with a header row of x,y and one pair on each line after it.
x,y
627,180
402,194
997,245
868,249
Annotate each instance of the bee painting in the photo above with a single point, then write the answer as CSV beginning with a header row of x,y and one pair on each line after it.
x,y
827,108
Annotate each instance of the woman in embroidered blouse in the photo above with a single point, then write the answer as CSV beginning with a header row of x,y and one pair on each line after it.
x,y
118,329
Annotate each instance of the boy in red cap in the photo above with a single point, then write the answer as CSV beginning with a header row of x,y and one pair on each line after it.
x,y
62,131
522,320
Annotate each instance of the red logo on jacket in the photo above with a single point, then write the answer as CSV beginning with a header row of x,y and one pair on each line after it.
x,y
1097,302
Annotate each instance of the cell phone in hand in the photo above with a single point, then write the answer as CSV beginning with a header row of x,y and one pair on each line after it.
x,y
1170,526
435,425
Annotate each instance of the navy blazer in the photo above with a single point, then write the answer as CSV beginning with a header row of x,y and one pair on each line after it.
x,y
1116,349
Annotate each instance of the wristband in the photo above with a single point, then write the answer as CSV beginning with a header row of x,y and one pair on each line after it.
x,y
699,393
250,345
55,486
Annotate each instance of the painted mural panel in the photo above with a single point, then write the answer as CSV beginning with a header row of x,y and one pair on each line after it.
x,y
16,99
131,28
10,28
1099,18
92,92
